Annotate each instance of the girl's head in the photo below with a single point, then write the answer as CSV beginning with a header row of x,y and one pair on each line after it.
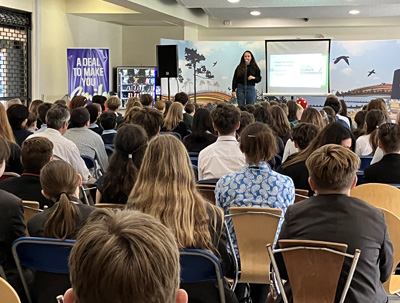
x,y
77,101
5,127
247,57
279,121
313,116
174,116
374,119
202,123
258,143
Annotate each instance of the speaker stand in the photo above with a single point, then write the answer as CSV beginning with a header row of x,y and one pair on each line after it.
x,y
169,90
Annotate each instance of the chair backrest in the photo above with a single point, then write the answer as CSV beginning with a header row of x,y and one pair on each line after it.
x,y
7,293
92,166
194,158
300,195
200,266
110,205
178,135
208,181
109,150
254,228
379,195
365,162
207,191
307,264
44,254
31,208
7,175
392,285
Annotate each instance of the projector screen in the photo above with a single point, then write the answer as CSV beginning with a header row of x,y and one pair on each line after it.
x,y
297,67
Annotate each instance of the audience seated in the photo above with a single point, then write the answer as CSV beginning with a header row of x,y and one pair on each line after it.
x,y
224,156
202,132
12,225
333,102
190,109
150,119
98,99
146,100
160,106
123,169
367,144
387,170
333,216
359,119
166,189
183,99
132,102
108,122
13,163
115,260
42,111
63,220
94,116
31,123
77,102
343,112
18,116
295,112
173,121
64,149
36,152
255,185
294,167
280,124
246,118
88,142
113,103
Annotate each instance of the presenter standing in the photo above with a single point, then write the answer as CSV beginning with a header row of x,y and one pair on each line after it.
x,y
247,74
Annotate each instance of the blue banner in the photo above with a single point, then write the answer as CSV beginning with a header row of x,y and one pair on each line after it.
x,y
88,72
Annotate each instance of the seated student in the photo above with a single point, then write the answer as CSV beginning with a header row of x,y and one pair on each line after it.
x,y
333,216
42,111
12,225
146,100
113,103
94,116
115,260
255,185
108,122
60,183
160,106
88,142
294,166
183,99
18,116
123,169
173,121
224,156
333,102
190,109
202,134
31,124
387,170
36,152
166,189
280,124
150,119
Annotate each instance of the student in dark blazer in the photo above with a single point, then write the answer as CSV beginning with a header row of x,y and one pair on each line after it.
x,y
333,216
387,170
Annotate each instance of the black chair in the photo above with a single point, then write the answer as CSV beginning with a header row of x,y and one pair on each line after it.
x,y
178,135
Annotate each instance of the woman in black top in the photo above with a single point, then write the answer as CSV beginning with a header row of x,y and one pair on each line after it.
x,y
247,74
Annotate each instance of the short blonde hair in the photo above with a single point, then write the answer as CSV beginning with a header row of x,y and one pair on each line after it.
x,y
124,256
160,105
113,103
332,167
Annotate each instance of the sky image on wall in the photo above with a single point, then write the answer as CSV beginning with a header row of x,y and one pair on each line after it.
x,y
364,69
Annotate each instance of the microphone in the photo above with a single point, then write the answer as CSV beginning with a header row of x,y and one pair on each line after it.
x,y
246,61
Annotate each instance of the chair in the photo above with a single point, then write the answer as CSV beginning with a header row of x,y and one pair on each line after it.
x,y
110,205
31,208
313,268
47,255
300,195
178,135
109,150
200,266
196,172
7,293
392,286
254,228
92,166
207,191
208,181
365,162
379,195
194,157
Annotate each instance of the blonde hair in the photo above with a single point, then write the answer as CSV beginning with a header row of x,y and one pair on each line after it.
x,y
113,103
332,167
160,105
166,189
313,116
5,127
124,256
130,113
133,101
59,181
174,116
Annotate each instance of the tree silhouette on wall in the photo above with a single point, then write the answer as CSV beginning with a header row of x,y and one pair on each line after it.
x,y
194,58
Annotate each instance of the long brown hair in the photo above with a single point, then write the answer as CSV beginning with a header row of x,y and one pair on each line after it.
x,y
279,122
166,189
5,127
59,181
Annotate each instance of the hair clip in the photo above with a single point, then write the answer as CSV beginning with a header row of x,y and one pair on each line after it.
x,y
129,156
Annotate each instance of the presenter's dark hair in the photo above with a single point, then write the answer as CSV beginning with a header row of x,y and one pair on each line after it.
x,y
242,64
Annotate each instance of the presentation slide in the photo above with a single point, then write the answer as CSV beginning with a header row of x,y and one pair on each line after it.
x,y
298,67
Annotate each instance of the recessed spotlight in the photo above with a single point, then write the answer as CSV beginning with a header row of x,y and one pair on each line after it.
x,y
354,12
233,1
255,13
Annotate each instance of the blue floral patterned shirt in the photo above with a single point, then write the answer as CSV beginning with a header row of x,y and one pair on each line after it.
x,y
254,186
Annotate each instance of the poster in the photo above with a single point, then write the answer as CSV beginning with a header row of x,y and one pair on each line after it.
x,y
88,72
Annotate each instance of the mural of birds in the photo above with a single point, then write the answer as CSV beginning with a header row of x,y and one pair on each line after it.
x,y
215,63
371,72
344,58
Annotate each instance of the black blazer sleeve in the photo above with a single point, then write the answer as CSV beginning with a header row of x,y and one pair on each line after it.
x,y
386,257
235,80
257,76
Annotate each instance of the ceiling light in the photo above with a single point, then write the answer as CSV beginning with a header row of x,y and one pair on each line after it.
x,y
255,13
233,1
354,12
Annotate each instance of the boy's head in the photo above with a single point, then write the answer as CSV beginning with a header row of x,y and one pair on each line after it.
x,y
332,168
150,119
115,260
303,134
225,119
42,111
93,112
35,153
182,98
17,116
79,117
389,138
108,120
333,102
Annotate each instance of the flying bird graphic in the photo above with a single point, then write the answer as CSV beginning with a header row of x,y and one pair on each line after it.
x,y
371,72
344,58
215,63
